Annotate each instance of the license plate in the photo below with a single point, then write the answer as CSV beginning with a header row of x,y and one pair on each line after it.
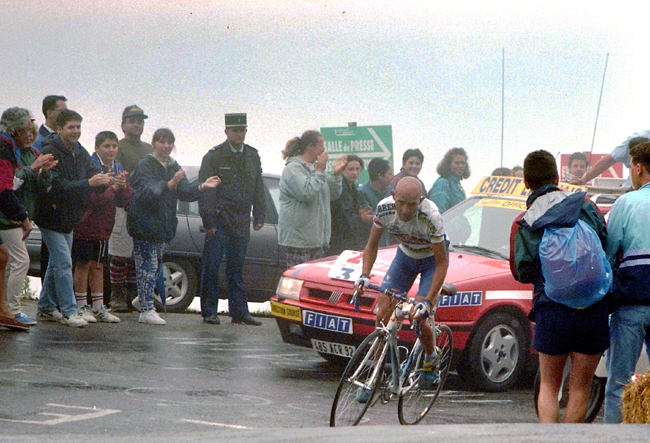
x,y
327,322
333,348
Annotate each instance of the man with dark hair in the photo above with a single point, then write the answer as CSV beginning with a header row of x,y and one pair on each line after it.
x,y
60,207
628,244
560,331
226,215
131,149
621,153
380,172
577,166
52,105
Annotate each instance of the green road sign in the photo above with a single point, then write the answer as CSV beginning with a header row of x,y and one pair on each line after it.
x,y
367,142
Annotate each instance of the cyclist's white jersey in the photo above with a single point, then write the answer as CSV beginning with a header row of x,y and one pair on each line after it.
x,y
416,235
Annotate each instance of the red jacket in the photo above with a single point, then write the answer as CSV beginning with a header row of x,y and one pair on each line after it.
x,y
99,215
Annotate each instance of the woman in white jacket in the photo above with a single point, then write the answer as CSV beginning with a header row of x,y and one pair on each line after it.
x,y
304,225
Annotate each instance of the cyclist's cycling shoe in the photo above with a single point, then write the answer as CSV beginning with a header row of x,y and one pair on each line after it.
x,y
428,376
363,395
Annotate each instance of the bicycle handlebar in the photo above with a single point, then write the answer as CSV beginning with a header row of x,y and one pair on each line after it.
x,y
447,289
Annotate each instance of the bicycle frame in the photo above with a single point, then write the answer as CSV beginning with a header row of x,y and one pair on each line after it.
x,y
399,370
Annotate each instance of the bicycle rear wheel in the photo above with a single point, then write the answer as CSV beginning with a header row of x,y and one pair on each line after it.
x,y
414,403
359,381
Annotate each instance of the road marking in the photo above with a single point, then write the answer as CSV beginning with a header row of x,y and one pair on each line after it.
x,y
209,423
64,418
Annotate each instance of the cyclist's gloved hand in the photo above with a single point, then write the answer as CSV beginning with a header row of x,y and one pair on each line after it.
x,y
423,309
362,282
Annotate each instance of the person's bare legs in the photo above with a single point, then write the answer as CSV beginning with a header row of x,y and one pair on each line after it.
x,y
551,368
583,367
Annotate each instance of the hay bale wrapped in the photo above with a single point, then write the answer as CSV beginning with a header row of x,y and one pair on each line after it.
x,y
635,401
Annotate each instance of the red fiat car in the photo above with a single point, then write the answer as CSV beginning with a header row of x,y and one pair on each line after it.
x,y
492,335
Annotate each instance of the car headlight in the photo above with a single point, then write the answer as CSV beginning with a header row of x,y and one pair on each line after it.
x,y
289,288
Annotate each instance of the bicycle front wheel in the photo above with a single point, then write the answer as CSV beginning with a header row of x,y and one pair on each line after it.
x,y
359,381
417,398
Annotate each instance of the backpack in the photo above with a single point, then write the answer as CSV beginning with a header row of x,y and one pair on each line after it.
x,y
575,268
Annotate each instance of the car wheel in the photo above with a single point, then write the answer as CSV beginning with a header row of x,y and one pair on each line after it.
x,y
181,285
596,395
497,353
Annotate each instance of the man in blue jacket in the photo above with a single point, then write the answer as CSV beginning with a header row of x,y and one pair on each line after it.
x,y
628,248
60,207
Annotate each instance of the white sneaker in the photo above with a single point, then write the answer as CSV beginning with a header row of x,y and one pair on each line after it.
x,y
103,315
75,320
151,317
136,303
86,313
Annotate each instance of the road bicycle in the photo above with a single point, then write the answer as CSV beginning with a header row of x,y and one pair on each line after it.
x,y
381,369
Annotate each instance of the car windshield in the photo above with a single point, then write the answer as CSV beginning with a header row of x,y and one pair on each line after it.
x,y
481,225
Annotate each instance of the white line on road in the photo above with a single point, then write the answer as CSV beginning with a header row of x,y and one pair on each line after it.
x,y
64,418
209,423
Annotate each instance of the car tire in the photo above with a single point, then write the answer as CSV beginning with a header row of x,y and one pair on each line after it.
x,y
181,285
497,353
596,395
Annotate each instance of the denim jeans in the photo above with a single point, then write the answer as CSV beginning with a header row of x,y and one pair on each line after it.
x,y
58,288
148,267
213,251
629,327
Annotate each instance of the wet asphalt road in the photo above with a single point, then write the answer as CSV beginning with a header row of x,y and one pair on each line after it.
x,y
186,377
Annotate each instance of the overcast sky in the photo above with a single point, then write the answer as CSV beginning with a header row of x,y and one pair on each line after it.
x,y
431,69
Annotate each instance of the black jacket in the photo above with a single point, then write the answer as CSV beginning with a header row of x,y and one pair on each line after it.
x,y
228,206
152,212
61,202
348,229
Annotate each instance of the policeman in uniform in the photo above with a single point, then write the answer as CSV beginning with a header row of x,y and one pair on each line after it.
x,y
225,212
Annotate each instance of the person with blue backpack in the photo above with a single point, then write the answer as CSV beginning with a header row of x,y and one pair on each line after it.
x,y
558,246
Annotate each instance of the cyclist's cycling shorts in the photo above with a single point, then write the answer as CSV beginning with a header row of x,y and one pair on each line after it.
x,y
403,271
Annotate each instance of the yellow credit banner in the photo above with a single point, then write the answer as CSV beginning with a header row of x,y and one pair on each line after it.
x,y
285,311
513,187
518,205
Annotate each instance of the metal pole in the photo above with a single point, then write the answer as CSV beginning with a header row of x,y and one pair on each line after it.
x,y
503,88
602,86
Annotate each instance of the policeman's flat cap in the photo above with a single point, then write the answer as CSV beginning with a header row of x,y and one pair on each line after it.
x,y
236,120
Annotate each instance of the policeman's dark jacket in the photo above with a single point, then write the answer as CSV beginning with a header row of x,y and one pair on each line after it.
x,y
61,202
151,215
228,206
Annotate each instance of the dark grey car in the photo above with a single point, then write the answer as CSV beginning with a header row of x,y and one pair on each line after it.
x,y
263,266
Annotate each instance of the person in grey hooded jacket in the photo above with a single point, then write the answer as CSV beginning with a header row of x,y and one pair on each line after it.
x,y
304,225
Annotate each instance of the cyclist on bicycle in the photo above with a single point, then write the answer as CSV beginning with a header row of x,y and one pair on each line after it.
x,y
417,224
